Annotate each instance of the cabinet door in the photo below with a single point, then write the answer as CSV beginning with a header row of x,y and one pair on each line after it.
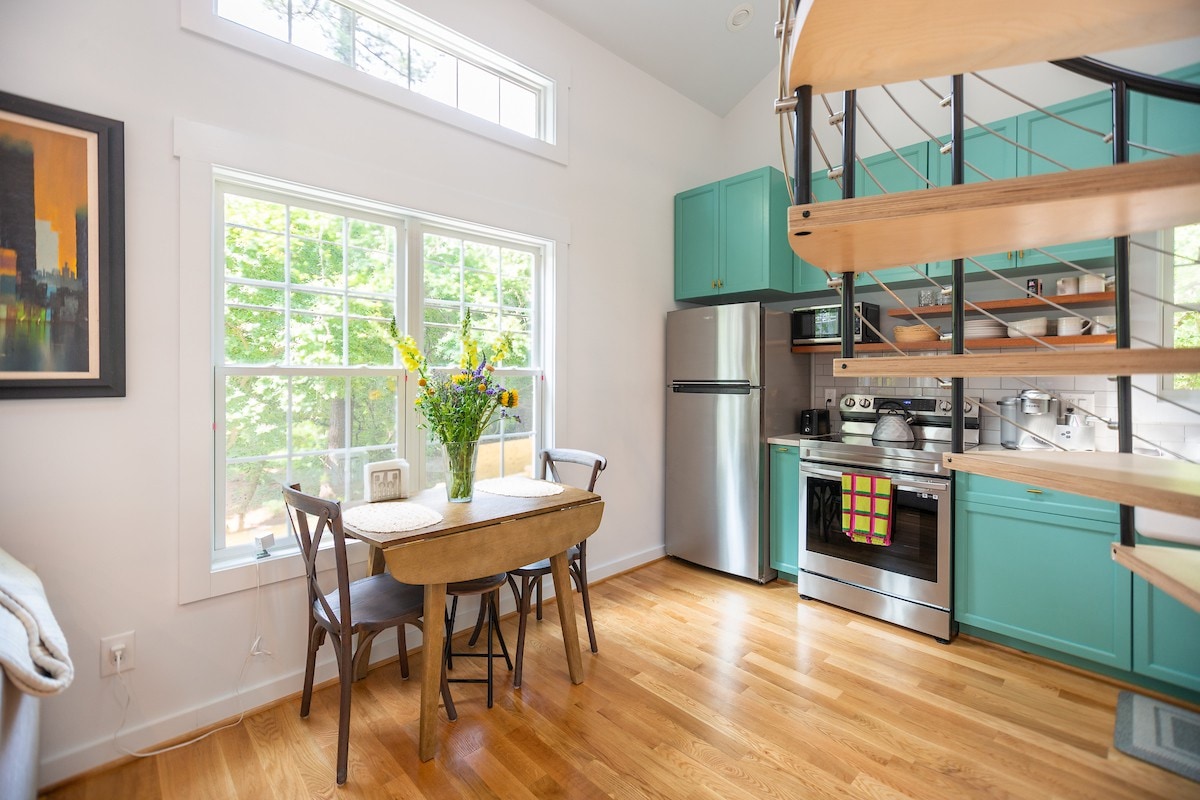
x,y
989,157
1170,126
785,509
1044,579
887,173
1070,148
808,277
1166,637
696,230
754,251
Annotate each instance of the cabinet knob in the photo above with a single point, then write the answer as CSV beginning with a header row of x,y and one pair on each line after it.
x,y
713,284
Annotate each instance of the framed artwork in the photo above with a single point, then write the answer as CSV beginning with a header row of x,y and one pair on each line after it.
x,y
62,252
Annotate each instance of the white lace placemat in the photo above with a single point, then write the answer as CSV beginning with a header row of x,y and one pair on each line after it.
x,y
390,517
517,486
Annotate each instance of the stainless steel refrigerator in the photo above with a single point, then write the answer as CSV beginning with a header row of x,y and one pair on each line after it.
x,y
732,381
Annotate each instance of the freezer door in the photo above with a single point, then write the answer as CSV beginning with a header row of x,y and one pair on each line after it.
x,y
713,479
715,343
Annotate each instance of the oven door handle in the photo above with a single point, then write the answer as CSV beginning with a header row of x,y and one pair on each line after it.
x,y
899,483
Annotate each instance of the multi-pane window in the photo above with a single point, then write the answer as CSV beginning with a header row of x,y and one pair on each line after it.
x,y
496,281
309,387
391,42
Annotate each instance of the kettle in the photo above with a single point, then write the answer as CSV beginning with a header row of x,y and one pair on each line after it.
x,y
893,426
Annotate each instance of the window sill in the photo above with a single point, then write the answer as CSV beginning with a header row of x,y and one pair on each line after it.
x,y
240,573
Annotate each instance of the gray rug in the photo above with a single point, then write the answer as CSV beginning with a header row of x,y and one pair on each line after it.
x,y
1162,734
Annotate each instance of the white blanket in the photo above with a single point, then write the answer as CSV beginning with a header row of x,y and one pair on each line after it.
x,y
33,650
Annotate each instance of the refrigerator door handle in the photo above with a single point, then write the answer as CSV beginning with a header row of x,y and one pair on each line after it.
x,y
712,388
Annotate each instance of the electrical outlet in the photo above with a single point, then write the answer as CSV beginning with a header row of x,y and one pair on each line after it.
x,y
125,644
830,397
1084,400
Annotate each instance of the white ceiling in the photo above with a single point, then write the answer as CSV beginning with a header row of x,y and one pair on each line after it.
x,y
683,43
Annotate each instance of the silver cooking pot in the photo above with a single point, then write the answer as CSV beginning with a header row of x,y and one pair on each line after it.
x,y
893,425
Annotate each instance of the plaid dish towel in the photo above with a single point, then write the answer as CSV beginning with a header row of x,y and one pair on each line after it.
x,y
867,509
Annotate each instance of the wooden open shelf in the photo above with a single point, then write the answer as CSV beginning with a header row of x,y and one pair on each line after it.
x,y
1127,478
849,44
1105,340
1174,570
938,224
1016,304
1142,361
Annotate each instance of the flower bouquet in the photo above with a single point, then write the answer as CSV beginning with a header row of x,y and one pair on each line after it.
x,y
459,405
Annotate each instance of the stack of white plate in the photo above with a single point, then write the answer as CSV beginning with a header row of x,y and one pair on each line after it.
x,y
983,329
1035,326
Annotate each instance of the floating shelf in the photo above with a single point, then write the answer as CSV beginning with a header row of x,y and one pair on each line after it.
x,y
1104,340
1174,570
1142,361
1016,304
1126,478
848,44
942,223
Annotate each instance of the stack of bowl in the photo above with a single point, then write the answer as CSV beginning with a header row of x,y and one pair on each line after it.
x,y
1034,326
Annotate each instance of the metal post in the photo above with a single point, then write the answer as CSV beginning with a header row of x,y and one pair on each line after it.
x,y
803,159
1120,105
958,302
849,120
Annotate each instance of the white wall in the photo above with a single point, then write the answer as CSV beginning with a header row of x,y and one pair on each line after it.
x,y
107,548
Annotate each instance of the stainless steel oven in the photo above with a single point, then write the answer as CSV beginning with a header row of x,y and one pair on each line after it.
x,y
908,581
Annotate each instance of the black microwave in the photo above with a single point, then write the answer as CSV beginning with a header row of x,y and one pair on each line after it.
x,y
823,324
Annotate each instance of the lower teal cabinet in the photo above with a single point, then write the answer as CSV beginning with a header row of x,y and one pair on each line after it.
x,y
1043,578
1033,567
1166,637
785,509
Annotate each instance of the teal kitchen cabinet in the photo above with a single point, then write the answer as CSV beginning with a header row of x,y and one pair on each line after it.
x,y
990,154
785,510
1170,126
1033,568
731,240
1034,571
905,170
808,277
1064,146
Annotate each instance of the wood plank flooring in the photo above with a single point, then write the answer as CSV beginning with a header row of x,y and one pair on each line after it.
x,y
705,687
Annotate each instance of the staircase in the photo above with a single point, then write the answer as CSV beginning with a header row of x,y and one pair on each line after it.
x,y
845,45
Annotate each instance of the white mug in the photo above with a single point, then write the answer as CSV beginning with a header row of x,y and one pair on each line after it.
x,y
1068,285
1103,324
1073,326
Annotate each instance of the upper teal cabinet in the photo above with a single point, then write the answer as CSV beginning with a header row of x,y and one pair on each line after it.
x,y
731,240
904,170
1167,127
808,277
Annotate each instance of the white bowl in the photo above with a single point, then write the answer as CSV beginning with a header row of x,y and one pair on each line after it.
x,y
1027,327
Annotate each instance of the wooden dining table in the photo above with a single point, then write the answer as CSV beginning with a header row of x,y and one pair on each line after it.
x,y
492,533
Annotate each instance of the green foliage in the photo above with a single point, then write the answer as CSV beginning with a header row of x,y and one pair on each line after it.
x,y
1187,291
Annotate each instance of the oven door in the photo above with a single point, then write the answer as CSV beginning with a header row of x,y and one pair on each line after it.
x,y
915,566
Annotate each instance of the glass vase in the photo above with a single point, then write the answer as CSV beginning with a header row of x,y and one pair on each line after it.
x,y
460,470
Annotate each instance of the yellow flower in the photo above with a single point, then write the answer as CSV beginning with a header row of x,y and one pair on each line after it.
x,y
509,398
483,387
410,354
421,382
460,377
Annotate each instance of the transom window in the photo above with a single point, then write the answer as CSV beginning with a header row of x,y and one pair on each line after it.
x,y
309,387
388,41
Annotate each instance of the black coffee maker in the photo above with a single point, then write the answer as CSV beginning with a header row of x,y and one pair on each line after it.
x,y
814,422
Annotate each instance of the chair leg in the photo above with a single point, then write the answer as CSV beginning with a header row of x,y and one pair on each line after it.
x,y
316,636
522,623
402,650
346,678
479,618
494,601
539,597
486,602
451,711
580,574
450,631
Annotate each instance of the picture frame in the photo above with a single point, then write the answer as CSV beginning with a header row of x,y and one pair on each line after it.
x,y
62,252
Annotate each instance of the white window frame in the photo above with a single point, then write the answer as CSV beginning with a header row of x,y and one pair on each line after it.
x,y
200,150
199,16
1166,383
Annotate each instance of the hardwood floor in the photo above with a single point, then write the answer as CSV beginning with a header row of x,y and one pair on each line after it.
x,y
705,687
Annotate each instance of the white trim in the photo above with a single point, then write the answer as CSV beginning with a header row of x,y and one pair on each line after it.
x,y
199,16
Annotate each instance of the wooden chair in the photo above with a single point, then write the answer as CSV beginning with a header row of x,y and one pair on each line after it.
x,y
531,575
367,606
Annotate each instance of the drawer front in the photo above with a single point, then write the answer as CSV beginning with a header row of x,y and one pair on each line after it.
x,y
997,492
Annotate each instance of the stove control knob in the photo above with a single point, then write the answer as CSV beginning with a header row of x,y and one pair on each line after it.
x,y
865,402
848,402
944,405
967,406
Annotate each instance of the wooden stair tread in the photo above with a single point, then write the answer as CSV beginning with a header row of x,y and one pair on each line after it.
x,y
1126,478
1140,361
849,44
938,224
1173,569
